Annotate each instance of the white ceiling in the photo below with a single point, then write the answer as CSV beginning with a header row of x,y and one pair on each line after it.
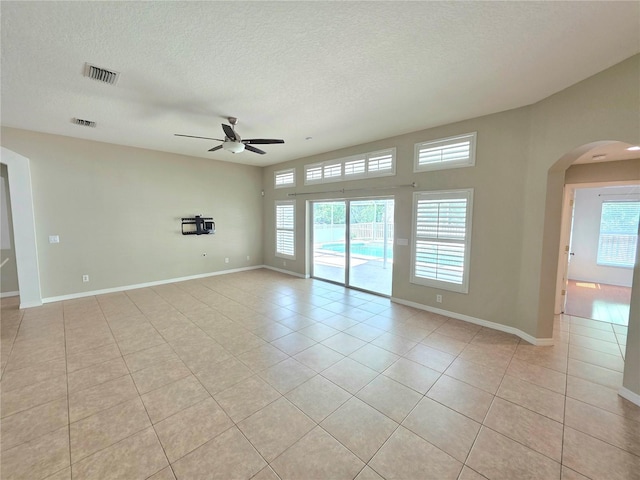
x,y
343,73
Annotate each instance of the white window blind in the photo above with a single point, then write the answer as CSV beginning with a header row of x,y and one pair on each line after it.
x,y
332,170
285,229
618,234
442,233
380,162
373,164
354,167
313,173
285,178
444,153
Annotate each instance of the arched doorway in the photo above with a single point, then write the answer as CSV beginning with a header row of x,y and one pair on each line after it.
x,y
553,248
23,228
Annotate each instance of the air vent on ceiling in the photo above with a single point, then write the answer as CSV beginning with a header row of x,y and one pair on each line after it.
x,y
101,74
84,123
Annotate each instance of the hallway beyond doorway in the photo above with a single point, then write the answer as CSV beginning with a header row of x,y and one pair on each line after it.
x,y
598,301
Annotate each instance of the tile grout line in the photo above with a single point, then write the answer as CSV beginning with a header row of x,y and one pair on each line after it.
x,y
66,371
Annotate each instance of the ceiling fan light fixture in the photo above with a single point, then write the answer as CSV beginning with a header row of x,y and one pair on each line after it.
x,y
233,147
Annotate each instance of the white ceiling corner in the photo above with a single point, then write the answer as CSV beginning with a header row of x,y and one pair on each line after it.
x,y
343,73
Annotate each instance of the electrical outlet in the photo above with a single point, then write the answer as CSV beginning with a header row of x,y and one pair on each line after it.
x,y
226,260
439,298
85,278
54,239
284,263
248,257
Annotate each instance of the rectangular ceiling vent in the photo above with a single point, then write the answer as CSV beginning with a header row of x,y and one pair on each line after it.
x,y
84,123
101,74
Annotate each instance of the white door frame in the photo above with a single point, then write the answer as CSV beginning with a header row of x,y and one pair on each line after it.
x,y
564,254
24,227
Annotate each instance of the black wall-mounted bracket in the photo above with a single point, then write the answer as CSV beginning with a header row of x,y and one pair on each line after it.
x,y
198,226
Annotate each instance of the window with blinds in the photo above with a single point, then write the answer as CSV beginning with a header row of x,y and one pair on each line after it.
x,y
354,167
618,237
373,164
285,229
285,178
452,152
442,236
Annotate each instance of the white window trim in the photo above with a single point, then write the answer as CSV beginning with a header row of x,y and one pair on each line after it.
x,y
444,194
470,162
342,161
284,172
599,261
275,210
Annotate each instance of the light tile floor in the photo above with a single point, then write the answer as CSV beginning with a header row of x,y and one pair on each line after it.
x,y
598,301
260,375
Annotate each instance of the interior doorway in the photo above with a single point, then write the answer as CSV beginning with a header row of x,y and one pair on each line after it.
x,y
352,243
602,223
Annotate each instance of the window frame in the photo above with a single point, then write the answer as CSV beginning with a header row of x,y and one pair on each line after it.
x,y
466,193
469,162
345,177
602,263
286,171
279,203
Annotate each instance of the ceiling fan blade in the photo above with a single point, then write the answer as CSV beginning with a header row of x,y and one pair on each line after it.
x,y
228,131
261,141
254,149
193,136
215,148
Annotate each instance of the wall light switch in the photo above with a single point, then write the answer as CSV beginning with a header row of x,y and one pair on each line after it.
x,y
54,239
402,241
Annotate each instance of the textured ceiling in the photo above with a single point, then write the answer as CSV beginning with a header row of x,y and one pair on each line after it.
x,y
343,73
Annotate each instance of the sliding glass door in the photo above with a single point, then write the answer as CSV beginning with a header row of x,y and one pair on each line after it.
x,y
330,241
371,245
353,243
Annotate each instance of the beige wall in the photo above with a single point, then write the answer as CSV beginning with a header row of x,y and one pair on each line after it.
x,y
9,272
624,170
517,198
497,180
601,108
117,211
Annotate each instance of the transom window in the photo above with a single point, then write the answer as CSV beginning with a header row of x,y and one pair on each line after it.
x,y
285,178
451,152
373,164
442,236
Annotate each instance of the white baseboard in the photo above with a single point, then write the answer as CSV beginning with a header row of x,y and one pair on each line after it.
x,y
9,294
288,272
144,285
629,395
540,342
30,304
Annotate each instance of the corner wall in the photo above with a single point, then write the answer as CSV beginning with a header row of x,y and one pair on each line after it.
x,y
117,212
600,108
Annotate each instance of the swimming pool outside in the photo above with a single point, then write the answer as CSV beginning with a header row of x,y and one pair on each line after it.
x,y
375,250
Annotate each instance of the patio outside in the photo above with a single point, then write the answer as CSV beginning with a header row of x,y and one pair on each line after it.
x,y
371,243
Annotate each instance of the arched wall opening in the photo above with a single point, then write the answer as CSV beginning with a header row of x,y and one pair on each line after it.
x,y
24,227
552,248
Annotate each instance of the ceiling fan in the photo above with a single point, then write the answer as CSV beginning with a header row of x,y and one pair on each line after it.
x,y
232,141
